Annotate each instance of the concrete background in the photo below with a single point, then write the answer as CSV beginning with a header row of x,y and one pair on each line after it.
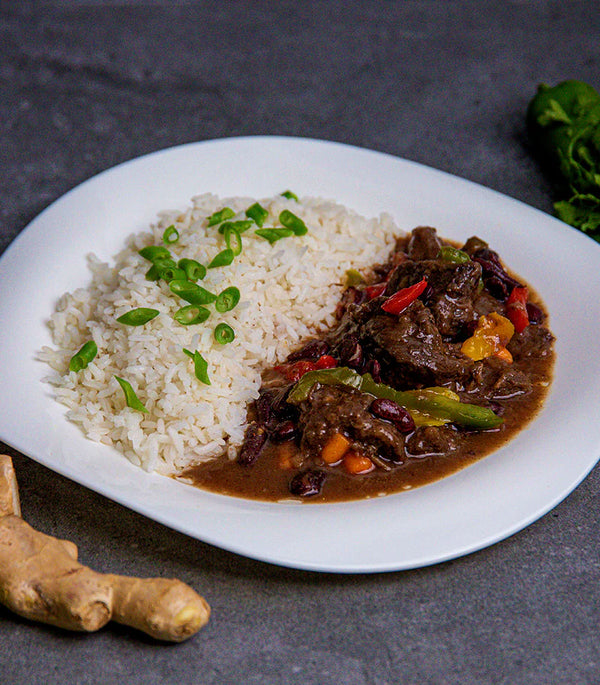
x,y
86,85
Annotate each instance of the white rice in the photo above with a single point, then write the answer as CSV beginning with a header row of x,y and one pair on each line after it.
x,y
289,291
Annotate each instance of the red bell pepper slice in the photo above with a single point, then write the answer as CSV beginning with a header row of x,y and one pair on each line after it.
x,y
400,300
325,362
375,290
516,308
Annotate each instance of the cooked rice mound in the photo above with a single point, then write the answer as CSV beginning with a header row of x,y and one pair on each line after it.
x,y
289,292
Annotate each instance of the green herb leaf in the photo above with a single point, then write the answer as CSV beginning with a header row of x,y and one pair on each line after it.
x,y
194,271
257,213
295,223
170,236
227,299
191,314
224,258
200,366
221,215
131,399
274,234
83,357
191,292
138,317
289,195
224,334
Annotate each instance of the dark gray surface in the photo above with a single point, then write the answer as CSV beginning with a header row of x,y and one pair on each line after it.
x,y
86,85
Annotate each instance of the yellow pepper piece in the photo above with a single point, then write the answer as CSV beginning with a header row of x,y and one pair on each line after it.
x,y
490,338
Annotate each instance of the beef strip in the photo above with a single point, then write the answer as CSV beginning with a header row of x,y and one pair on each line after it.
x,y
423,243
534,341
494,379
411,348
334,408
432,440
452,289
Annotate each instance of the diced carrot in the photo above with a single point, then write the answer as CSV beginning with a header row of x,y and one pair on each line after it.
x,y
356,463
335,448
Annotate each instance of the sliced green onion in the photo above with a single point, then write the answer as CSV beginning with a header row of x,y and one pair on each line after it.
x,y
224,334
240,226
257,213
191,314
289,195
233,240
221,215
170,236
191,292
274,234
452,255
227,299
290,220
83,357
164,263
172,273
153,273
138,317
154,252
131,399
200,366
194,271
224,258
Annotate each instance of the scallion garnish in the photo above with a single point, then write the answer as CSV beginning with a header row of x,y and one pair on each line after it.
x,y
191,292
289,195
138,317
221,215
152,274
194,271
233,239
200,366
274,234
83,356
191,314
240,226
224,334
257,213
131,399
170,236
164,263
227,299
224,258
290,220
172,273
154,252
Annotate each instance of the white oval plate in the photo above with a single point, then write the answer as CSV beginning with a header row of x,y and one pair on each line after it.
x,y
476,507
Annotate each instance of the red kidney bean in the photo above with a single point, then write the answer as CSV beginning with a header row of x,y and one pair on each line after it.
x,y
392,411
311,351
350,353
374,368
307,483
255,438
264,405
535,314
286,430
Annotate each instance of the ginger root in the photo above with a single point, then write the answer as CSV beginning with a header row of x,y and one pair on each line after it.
x,y
41,579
